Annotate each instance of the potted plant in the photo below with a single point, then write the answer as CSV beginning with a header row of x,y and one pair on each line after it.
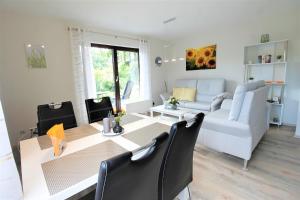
x,y
172,103
118,128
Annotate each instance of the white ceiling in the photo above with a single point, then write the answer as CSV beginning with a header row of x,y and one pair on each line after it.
x,y
142,17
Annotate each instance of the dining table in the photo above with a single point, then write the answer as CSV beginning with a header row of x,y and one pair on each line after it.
x,y
85,147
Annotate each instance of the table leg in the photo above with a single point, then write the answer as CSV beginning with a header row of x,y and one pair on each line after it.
x,y
151,113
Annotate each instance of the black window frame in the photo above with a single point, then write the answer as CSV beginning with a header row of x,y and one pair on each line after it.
x,y
115,50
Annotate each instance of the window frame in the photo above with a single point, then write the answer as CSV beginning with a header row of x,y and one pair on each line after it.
x,y
115,50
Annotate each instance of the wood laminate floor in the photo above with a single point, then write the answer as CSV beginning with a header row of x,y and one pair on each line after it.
x,y
273,172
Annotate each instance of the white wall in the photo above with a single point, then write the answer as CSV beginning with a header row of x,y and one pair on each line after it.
x,y
157,73
280,23
23,88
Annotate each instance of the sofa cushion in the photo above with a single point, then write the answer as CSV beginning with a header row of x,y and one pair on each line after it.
x,y
204,97
198,105
210,86
186,83
186,94
218,121
237,102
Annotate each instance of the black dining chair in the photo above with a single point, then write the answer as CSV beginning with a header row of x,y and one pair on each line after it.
x,y
51,114
177,166
132,176
96,111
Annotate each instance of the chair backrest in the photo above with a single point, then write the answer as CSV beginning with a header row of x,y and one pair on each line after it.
x,y
128,89
128,178
48,116
96,111
177,167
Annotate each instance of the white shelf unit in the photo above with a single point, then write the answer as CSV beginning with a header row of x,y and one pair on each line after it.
x,y
274,73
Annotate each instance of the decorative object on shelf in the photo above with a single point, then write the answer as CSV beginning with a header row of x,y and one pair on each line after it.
x,y
275,119
171,103
268,81
279,58
260,59
201,58
251,78
35,55
266,58
265,38
118,128
276,99
158,61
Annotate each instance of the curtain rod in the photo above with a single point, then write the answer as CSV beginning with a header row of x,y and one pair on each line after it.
x,y
106,34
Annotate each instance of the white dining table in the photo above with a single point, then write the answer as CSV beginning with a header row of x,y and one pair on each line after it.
x,y
33,157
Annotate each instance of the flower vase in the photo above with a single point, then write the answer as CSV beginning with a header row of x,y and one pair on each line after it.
x,y
118,128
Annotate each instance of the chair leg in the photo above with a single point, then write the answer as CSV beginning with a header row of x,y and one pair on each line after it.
x,y
245,165
190,196
184,194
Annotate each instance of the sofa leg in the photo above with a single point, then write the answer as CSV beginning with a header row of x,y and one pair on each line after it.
x,y
245,165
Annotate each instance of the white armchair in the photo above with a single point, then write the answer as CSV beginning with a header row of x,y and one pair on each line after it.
x,y
241,122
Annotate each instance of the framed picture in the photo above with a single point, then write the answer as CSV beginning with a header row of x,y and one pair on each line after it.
x,y
35,56
201,58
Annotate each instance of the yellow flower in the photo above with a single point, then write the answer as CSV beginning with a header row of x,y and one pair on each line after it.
x,y
190,54
200,61
211,63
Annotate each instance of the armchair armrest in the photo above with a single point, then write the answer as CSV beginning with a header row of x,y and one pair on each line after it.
x,y
218,99
165,96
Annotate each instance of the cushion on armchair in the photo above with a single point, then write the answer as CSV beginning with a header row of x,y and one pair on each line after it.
x,y
237,102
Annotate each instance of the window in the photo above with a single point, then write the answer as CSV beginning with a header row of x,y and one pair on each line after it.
x,y
117,72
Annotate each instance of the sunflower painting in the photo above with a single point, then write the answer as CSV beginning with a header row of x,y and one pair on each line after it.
x,y
201,58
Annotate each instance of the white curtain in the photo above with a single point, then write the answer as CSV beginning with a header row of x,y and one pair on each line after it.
x,y
145,70
84,81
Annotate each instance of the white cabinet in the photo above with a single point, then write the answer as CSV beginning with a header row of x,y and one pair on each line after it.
x,y
10,186
1,112
4,140
297,134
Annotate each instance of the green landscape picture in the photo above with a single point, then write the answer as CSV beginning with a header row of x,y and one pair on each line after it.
x,y
36,56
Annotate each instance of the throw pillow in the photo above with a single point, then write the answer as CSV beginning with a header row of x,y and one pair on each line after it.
x,y
237,102
184,94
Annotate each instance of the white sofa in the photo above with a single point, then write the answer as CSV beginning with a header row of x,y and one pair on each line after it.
x,y
209,94
239,125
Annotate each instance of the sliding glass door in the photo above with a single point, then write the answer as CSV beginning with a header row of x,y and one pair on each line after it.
x,y
116,72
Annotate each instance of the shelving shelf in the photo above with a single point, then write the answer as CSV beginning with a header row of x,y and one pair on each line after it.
x,y
272,63
267,43
274,73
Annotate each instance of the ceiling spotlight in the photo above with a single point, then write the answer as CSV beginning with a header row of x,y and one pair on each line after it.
x,y
166,60
28,45
181,58
173,59
43,46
